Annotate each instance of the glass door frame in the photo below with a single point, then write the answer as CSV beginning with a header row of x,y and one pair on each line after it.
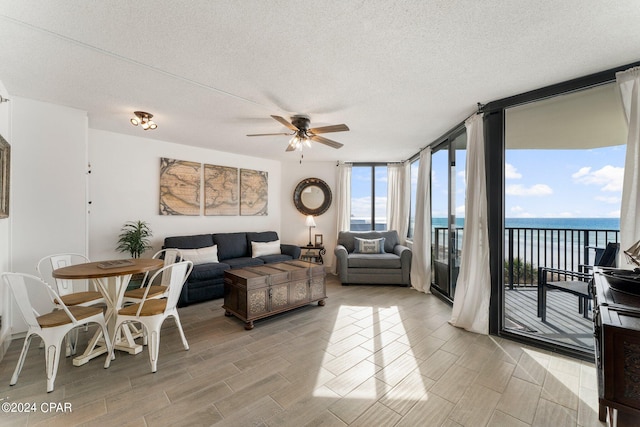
x,y
447,143
494,122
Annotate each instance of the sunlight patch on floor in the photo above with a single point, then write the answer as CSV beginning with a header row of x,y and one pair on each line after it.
x,y
379,363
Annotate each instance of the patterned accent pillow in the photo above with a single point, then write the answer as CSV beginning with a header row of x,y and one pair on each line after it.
x,y
369,246
265,248
202,255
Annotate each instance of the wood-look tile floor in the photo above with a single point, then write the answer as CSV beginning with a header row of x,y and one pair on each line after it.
x,y
373,356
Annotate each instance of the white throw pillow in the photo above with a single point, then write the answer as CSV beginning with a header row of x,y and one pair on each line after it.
x,y
369,246
265,248
202,255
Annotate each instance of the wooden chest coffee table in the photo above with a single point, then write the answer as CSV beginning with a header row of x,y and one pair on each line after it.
x,y
253,293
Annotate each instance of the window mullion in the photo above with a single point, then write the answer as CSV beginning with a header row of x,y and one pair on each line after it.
x,y
373,197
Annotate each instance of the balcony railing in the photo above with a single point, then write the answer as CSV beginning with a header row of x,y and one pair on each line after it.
x,y
528,248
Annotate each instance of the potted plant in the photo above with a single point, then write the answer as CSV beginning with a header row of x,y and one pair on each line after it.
x,y
134,238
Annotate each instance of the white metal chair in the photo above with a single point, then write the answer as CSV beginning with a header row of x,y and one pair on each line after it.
x,y
152,312
51,327
133,296
65,290
64,287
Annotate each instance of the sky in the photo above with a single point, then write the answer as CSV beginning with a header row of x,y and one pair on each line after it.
x,y
538,184
361,192
564,183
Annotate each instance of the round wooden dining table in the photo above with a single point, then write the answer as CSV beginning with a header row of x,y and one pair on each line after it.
x,y
111,278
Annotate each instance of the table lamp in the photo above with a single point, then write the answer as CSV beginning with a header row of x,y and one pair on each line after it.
x,y
310,223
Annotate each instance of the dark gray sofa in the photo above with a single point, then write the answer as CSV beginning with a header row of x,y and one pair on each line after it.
x,y
391,267
206,281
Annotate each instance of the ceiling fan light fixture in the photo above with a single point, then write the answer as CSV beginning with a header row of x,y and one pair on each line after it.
x,y
296,142
143,119
303,135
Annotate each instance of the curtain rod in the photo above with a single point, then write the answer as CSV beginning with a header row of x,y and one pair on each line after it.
x,y
399,162
479,110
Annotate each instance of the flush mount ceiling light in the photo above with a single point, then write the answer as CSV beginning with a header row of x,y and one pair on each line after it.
x,y
143,119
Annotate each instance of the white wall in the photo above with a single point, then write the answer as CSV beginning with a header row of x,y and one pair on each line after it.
x,y
293,228
124,186
5,234
48,194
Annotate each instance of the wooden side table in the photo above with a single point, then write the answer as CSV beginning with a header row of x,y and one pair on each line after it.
x,y
313,254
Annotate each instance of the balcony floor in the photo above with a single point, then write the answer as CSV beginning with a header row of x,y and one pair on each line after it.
x,y
564,323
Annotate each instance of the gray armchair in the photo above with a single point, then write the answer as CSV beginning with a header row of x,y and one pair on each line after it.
x,y
390,267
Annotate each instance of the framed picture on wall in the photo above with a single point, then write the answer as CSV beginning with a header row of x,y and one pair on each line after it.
x,y
318,239
5,164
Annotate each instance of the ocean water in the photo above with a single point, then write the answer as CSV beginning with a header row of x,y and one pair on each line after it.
x,y
548,223
565,223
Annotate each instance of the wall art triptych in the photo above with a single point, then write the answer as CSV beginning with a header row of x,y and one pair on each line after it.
x,y
227,191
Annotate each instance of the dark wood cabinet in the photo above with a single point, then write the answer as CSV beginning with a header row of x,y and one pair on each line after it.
x,y
253,293
616,318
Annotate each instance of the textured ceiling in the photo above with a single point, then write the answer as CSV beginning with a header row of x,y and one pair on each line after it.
x,y
398,73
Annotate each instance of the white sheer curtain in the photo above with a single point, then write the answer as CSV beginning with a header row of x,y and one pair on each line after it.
x,y
343,202
629,85
398,199
421,260
343,197
473,288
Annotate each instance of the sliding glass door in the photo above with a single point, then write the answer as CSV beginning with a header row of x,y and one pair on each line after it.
x,y
447,211
564,162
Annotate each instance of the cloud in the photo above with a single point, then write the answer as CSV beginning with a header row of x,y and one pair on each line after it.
x,y
510,172
582,172
519,212
608,178
361,207
414,179
534,190
521,215
614,214
564,215
609,200
434,179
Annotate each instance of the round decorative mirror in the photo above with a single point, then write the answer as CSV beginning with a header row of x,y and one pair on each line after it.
x,y
312,196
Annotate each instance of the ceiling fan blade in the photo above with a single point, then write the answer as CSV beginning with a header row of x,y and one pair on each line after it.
x,y
285,122
332,128
268,134
325,141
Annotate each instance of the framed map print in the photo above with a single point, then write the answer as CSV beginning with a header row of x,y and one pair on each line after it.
x,y
179,187
221,190
254,192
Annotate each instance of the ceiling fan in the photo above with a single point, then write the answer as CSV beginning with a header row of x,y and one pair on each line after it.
x,y
303,134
